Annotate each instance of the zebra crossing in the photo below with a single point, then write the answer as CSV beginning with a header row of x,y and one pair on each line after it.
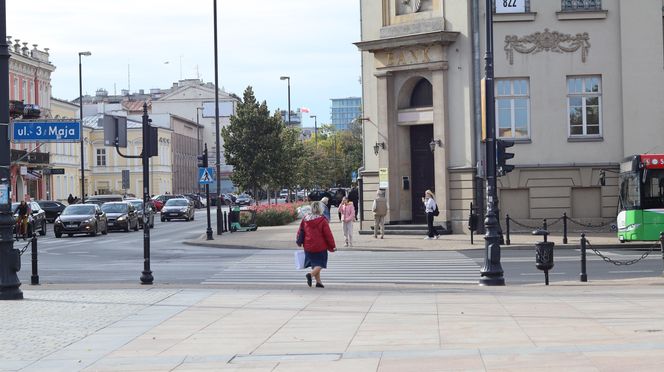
x,y
359,267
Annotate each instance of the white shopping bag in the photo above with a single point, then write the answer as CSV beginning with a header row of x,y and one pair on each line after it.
x,y
299,260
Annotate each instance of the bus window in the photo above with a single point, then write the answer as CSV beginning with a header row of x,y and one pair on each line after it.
x,y
653,190
629,191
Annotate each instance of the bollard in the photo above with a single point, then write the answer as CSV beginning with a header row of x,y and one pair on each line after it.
x,y
34,279
564,227
544,254
584,275
507,227
545,227
225,221
661,245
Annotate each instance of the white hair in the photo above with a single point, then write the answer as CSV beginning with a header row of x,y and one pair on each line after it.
x,y
317,208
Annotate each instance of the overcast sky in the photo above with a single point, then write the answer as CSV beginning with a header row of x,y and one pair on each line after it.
x,y
259,41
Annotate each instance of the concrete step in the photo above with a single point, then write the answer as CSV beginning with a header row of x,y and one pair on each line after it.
x,y
407,230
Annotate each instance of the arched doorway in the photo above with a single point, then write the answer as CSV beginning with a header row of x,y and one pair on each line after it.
x,y
20,193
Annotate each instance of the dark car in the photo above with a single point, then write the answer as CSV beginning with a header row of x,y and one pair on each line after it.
x,y
243,199
36,219
160,200
138,205
317,195
179,208
196,199
337,195
52,208
81,219
121,216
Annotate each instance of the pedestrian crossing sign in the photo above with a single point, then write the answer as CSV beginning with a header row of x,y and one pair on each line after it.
x,y
205,176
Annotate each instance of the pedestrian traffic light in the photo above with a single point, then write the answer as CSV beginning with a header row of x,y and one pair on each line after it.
x,y
203,159
503,156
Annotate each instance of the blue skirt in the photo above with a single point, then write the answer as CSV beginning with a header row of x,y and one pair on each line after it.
x,y
313,259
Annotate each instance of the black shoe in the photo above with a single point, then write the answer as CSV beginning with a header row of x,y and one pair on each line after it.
x,y
320,285
308,279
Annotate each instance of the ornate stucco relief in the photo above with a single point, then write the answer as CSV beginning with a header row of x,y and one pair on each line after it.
x,y
412,6
549,42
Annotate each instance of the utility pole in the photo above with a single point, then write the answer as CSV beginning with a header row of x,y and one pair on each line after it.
x,y
146,277
216,123
10,258
492,271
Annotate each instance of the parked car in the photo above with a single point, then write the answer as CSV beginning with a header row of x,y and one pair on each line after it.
x,y
52,208
178,208
81,219
101,199
317,195
244,199
338,193
196,199
229,198
121,216
36,218
160,200
138,205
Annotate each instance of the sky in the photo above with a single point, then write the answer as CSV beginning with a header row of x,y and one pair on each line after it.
x,y
145,44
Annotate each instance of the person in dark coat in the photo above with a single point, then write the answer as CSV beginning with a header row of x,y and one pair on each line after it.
x,y
70,199
318,240
354,197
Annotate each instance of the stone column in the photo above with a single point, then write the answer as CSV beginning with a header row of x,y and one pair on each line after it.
x,y
388,157
440,131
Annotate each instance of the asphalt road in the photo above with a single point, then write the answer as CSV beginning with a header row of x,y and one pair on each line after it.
x,y
118,258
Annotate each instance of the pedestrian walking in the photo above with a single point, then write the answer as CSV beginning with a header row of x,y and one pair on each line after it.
x,y
70,199
379,209
317,241
354,196
347,215
326,207
431,209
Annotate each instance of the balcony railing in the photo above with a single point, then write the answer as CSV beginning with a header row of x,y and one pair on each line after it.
x,y
581,5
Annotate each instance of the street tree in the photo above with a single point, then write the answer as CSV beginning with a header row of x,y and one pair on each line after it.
x,y
252,143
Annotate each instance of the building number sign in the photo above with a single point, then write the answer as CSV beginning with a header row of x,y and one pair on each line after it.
x,y
510,6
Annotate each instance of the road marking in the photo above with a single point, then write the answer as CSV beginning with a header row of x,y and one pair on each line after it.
x,y
632,272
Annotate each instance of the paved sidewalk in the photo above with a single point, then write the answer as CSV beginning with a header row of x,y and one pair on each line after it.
x,y
609,326
283,237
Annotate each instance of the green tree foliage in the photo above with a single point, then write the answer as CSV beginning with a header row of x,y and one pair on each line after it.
x,y
252,143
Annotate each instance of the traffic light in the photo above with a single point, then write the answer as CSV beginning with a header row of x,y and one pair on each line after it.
x,y
203,159
503,156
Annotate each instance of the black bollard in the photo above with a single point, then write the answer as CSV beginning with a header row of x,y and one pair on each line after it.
x,y
661,245
507,226
545,227
584,275
564,227
34,279
225,221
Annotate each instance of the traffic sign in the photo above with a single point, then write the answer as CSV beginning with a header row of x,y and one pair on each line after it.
x,y
46,131
206,176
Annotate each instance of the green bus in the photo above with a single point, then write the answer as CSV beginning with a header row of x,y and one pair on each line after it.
x,y
641,198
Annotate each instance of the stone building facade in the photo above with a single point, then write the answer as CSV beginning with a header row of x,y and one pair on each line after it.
x,y
578,88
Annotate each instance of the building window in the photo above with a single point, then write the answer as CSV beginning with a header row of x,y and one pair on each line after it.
x,y
422,95
513,108
581,5
584,105
101,157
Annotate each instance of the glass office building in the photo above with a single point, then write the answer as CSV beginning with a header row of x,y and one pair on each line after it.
x,y
344,111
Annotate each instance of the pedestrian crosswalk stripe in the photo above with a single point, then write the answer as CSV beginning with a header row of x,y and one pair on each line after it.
x,y
355,267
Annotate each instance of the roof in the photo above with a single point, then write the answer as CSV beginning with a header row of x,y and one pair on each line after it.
x,y
136,105
93,122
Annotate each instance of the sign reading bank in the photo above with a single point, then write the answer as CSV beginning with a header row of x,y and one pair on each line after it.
x,y
46,131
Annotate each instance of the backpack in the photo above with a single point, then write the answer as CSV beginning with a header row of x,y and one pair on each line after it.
x,y
436,212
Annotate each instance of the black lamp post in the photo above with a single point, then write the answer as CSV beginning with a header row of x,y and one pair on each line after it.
x,y
315,128
216,123
287,78
10,259
492,271
80,103
198,139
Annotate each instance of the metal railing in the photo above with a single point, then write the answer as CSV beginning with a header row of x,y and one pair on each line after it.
x,y
581,5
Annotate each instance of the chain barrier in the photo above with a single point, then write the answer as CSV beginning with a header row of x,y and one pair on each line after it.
x,y
549,224
618,262
512,220
25,248
589,225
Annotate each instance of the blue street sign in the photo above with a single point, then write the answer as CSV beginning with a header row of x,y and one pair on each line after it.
x,y
46,131
353,176
206,176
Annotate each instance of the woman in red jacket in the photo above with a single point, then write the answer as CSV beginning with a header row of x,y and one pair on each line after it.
x,y
318,240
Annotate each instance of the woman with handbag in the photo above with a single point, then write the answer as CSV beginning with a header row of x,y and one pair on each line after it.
x,y
431,210
316,237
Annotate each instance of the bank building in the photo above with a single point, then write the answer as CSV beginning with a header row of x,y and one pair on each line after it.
x,y
579,86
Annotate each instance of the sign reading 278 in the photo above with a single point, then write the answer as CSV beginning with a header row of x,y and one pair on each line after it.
x,y
46,131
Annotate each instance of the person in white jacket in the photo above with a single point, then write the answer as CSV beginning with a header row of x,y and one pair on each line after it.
x,y
379,209
430,207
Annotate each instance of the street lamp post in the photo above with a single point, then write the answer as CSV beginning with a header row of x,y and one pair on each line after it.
x,y
492,271
287,78
80,103
315,128
216,123
10,259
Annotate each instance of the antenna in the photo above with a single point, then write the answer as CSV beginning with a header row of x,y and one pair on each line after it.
x,y
128,78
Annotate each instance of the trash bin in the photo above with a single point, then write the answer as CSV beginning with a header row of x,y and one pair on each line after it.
x,y
544,254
